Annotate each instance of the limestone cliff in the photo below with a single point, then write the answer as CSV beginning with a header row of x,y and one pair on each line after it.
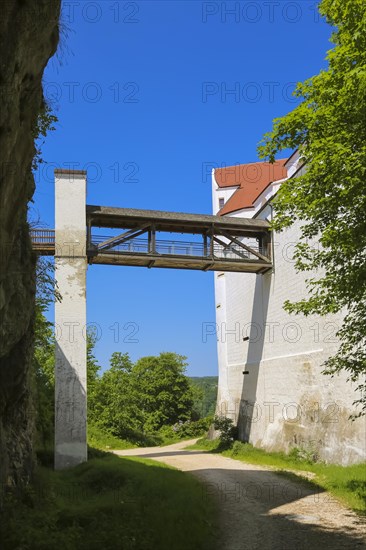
x,y
29,32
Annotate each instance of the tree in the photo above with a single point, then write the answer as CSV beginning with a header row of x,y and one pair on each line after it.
x,y
165,392
114,405
44,379
44,354
44,124
133,401
92,364
205,400
329,130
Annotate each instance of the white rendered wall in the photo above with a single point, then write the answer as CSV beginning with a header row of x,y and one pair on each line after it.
x,y
220,193
285,401
70,319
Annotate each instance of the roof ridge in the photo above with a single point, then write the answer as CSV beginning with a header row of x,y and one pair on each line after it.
x,y
248,189
249,163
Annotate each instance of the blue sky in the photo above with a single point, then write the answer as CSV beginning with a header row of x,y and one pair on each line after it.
x,y
150,95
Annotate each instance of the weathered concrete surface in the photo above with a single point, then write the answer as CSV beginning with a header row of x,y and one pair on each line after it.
x,y
261,510
28,38
70,319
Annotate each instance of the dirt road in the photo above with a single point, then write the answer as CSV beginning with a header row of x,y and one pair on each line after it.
x,y
263,510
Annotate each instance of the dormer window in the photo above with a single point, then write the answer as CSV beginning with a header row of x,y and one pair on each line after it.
x,y
221,202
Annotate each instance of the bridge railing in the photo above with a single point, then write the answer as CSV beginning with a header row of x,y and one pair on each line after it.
x,y
43,239
177,248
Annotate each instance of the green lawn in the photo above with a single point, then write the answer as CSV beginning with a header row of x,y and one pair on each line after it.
x,y
110,503
347,483
99,439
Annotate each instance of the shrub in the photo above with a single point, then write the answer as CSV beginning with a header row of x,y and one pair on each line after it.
x,y
189,428
228,431
302,454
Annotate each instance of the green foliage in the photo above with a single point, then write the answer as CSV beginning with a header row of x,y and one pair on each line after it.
x,y
329,130
93,366
185,430
114,405
134,401
165,394
44,355
205,444
205,398
44,378
45,123
228,431
302,454
102,439
109,502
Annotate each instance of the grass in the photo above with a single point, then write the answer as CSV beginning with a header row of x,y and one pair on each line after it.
x,y
346,483
109,503
100,439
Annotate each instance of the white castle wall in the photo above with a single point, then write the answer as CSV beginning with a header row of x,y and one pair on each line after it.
x,y
285,401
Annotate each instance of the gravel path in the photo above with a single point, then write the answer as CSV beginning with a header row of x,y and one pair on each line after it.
x,y
262,510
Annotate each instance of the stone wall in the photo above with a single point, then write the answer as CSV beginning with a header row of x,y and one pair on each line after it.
x,y
29,33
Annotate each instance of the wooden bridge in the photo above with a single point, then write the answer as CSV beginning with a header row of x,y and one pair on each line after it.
x,y
122,236
211,243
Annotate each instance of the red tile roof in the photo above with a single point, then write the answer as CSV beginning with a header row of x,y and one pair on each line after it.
x,y
251,180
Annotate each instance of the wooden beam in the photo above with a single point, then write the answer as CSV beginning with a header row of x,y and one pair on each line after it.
x,y
242,245
88,234
176,222
114,241
226,245
152,243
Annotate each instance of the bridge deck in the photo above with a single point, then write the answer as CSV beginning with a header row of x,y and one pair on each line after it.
x,y
227,244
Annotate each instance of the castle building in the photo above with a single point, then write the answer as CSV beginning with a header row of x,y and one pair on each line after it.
x,y
270,362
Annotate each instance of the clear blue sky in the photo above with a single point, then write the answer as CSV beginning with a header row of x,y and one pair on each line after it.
x,y
141,93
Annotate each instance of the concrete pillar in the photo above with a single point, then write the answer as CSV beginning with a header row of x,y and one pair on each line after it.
x,y
70,318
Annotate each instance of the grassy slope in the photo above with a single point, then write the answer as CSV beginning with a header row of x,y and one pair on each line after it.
x,y
99,439
347,483
110,503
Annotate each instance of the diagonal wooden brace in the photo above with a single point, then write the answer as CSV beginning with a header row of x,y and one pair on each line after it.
x,y
114,241
226,245
242,245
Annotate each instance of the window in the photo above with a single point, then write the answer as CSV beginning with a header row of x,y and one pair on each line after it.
x,y
221,202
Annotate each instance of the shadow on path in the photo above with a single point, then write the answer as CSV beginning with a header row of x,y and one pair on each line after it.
x,y
262,510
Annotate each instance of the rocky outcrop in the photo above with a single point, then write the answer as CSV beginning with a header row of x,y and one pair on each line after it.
x,y
29,32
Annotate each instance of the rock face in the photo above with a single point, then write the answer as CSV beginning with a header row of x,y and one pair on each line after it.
x,y
29,33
